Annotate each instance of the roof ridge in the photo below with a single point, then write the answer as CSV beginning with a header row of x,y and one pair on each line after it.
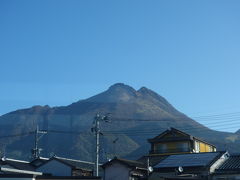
x,y
43,158
76,160
133,161
16,160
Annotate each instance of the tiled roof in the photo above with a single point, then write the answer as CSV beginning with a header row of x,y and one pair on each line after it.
x,y
31,166
133,163
78,164
231,164
39,161
126,162
153,160
171,130
189,160
18,164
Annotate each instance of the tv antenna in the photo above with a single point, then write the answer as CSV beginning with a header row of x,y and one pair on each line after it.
x,y
36,150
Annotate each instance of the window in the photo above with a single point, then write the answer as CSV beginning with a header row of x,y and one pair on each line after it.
x,y
183,146
161,148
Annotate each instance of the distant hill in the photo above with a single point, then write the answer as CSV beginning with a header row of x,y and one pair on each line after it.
x,y
136,115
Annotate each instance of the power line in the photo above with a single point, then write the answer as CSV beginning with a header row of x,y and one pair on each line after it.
x,y
17,135
216,115
224,124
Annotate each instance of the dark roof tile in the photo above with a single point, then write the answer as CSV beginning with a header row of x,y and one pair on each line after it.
x,y
189,160
78,164
153,160
130,163
231,164
18,164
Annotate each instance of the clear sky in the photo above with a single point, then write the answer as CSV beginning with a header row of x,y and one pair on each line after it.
x,y
56,52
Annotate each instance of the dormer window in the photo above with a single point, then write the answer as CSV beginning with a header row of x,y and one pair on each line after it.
x,y
176,141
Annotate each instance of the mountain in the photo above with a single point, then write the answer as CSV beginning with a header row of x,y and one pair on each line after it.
x,y
136,115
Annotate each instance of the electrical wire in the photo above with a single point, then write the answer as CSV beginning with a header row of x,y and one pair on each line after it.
x,y
17,135
225,121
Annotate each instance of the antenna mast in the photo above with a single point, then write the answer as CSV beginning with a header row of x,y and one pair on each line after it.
x,y
36,151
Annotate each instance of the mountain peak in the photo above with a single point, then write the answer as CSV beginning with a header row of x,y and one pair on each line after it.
x,y
121,92
118,92
121,86
143,90
148,92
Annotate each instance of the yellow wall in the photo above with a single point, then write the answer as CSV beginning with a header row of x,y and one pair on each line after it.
x,y
205,147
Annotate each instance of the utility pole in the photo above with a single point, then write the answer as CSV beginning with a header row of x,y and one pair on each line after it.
x,y
96,129
36,150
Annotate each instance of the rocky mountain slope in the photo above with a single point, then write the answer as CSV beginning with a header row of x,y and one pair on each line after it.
x,y
136,115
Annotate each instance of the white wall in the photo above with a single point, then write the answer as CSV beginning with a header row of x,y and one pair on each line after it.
x,y
55,168
116,171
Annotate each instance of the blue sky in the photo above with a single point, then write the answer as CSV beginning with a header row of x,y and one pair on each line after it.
x,y
56,52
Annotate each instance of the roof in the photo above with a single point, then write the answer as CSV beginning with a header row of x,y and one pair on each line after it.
x,y
48,177
68,177
171,130
186,136
73,163
231,164
129,163
39,161
17,164
189,160
19,171
78,164
17,175
31,166
153,160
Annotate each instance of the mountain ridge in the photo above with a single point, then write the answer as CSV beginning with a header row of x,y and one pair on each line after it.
x,y
141,110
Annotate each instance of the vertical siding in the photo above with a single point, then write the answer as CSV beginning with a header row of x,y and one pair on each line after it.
x,y
202,147
206,148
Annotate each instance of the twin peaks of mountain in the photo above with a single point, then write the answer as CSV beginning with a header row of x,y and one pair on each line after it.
x,y
120,99
123,93
126,101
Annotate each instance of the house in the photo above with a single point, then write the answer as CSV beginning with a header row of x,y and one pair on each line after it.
x,y
46,167
59,166
122,169
174,141
191,165
55,168
174,155
230,169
